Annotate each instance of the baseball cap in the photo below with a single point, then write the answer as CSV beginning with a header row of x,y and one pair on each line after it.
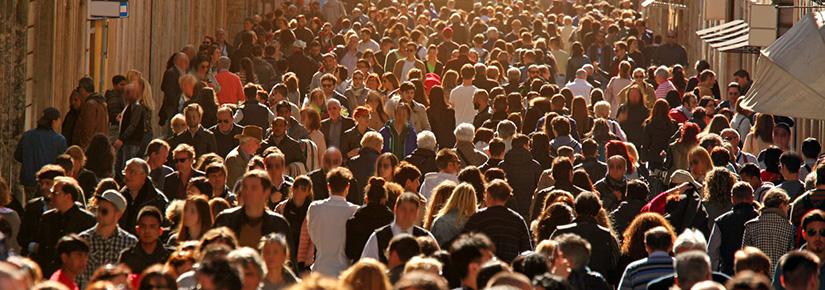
x,y
115,198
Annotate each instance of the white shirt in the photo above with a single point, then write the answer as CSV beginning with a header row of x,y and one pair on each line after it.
x,y
327,223
580,87
370,44
561,57
611,93
462,99
371,247
432,180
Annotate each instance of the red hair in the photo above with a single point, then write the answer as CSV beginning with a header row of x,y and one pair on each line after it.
x,y
361,111
689,133
616,147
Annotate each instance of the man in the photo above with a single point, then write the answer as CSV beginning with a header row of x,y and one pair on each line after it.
x,y
369,217
278,138
562,129
174,186
252,220
171,87
115,102
251,266
73,252
418,113
406,213
157,153
408,176
357,92
658,244
684,112
134,124
457,63
225,132
813,233
468,253
732,97
216,175
303,66
400,250
578,252
809,200
363,165
462,96
743,78
149,250
639,80
522,172
663,83
106,238
671,53
789,164
750,173
195,135
251,112
505,227
728,229
782,136
366,41
591,164
93,118
334,127
423,157
264,72
65,218
330,160
328,84
691,268
286,110
38,147
403,66
613,186
800,271
231,91
448,166
139,193
445,49
691,240
481,81
731,136
281,184
249,141
329,63
771,231
561,56
579,86
605,245
35,207
810,153
326,221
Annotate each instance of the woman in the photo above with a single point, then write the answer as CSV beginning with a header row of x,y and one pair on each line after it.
x,y
582,180
633,238
206,99
247,72
439,197
432,64
718,123
450,220
678,78
385,166
580,113
293,92
199,186
616,84
658,128
10,216
632,114
474,176
275,253
442,118
761,134
602,135
677,154
389,84
551,217
450,80
378,117
195,221
700,163
294,210
373,82
101,156
376,67
602,110
635,52
577,59
541,149
399,135
144,89
770,172
368,274
311,120
718,187
87,179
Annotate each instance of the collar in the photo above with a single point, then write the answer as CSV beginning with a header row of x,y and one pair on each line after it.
x,y
337,197
658,254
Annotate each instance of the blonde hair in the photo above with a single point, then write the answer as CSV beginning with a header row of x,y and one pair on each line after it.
x,y
367,273
439,197
601,109
177,121
462,200
372,140
427,264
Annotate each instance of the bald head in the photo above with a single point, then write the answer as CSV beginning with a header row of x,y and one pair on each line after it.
x,y
332,158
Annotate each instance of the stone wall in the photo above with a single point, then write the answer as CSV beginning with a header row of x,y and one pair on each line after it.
x,y
13,48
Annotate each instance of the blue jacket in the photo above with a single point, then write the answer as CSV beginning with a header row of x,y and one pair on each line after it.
x,y
37,147
408,134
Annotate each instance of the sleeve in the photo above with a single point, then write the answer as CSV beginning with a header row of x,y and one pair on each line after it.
x,y
371,248
526,242
134,120
624,282
313,228
714,243
18,151
238,116
425,121
746,237
83,130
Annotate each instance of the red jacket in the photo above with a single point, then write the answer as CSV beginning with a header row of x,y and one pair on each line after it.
x,y
677,115
231,88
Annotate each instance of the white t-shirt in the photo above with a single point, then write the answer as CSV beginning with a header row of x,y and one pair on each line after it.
x,y
462,99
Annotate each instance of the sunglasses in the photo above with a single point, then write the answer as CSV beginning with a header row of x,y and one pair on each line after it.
x,y
812,232
181,160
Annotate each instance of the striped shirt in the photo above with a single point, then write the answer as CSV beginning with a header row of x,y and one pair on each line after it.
x,y
663,88
640,272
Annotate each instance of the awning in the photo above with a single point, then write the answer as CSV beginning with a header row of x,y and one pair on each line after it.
x,y
732,36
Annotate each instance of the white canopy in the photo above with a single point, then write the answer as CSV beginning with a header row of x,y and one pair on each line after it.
x,y
789,79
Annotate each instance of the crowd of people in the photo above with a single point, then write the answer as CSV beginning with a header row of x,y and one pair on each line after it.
x,y
418,145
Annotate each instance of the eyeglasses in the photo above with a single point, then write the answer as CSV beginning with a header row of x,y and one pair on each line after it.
x,y
813,232
182,160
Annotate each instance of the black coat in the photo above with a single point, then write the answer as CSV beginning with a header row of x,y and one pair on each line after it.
x,y
148,196
288,146
53,226
605,253
352,139
172,184
655,139
171,94
363,167
442,123
424,160
625,213
360,226
523,174
203,141
320,190
346,124
234,218
226,142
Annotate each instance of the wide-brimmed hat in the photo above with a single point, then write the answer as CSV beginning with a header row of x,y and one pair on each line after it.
x,y
681,176
251,131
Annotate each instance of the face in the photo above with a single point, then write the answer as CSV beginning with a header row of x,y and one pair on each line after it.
x,y
107,214
385,168
406,214
133,175
275,167
408,95
251,278
357,80
815,237
710,106
45,186
362,120
334,110
692,103
224,121
120,86
279,128
75,261
733,94
332,159
217,179
401,115
190,215
183,161
329,62
781,137
148,229
75,101
731,137
616,169
253,192
188,88
410,51
274,255
58,196
193,190
327,86
284,112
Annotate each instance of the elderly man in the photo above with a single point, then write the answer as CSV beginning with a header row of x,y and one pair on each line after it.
x,y
579,86
423,156
664,85
467,153
332,159
334,127
139,192
363,164
278,138
249,141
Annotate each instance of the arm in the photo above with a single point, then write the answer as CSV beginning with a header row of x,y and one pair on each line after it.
x,y
714,243
371,248
83,130
131,126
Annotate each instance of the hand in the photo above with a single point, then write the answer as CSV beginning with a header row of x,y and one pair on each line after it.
x,y
118,144
352,153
